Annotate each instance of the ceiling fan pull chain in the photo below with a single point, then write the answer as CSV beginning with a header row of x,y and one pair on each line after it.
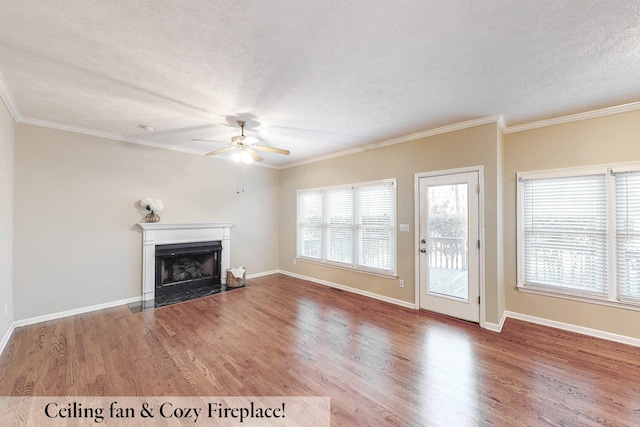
x,y
240,179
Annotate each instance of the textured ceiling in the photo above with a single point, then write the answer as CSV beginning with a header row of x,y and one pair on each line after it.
x,y
313,77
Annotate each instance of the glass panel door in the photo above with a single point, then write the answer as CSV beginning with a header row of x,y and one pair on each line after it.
x,y
449,281
448,250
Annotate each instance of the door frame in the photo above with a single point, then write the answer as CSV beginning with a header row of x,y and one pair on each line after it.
x,y
416,242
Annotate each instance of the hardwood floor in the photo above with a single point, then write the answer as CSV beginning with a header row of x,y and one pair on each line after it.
x,y
380,364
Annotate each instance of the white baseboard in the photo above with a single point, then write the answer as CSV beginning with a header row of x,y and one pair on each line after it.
x,y
264,273
352,290
81,310
60,315
6,337
495,327
489,326
623,339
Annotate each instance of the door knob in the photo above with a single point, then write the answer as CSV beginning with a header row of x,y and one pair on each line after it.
x,y
423,250
423,241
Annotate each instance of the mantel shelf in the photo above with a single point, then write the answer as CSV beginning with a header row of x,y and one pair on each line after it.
x,y
183,226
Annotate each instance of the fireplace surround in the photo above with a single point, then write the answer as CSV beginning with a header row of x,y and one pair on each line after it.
x,y
156,235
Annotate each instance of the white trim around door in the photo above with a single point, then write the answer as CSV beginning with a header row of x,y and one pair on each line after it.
x,y
481,233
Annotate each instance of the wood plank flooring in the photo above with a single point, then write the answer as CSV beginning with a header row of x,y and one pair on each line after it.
x,y
380,364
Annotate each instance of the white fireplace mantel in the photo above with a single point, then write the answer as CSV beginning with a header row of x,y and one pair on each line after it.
x,y
156,233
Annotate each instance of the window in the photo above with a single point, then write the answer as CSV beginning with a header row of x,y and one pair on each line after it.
x,y
579,233
627,241
351,226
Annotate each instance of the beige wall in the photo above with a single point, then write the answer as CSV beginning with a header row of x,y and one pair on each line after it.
x,y
75,211
76,239
470,147
7,144
589,142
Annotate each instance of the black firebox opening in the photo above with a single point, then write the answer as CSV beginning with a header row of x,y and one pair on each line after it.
x,y
183,267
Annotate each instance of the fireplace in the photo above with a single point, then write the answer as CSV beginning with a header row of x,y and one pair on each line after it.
x,y
183,267
164,239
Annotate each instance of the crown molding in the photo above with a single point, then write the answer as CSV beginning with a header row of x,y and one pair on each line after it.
x,y
602,112
100,134
406,138
502,124
499,119
114,137
432,132
9,101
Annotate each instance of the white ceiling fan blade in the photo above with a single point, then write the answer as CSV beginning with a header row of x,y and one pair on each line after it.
x,y
222,150
271,149
254,155
245,143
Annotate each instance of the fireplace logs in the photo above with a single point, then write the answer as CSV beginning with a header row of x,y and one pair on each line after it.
x,y
187,266
186,269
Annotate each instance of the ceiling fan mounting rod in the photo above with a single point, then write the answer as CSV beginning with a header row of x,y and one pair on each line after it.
x,y
241,123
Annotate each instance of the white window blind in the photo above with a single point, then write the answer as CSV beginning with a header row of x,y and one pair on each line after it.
x,y
338,208
579,233
564,233
350,226
310,224
376,225
627,189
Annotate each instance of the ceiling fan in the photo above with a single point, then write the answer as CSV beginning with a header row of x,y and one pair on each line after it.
x,y
245,146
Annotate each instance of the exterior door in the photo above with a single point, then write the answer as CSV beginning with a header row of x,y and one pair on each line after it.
x,y
449,245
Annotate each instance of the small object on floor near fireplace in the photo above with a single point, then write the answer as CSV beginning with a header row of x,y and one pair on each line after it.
x,y
236,277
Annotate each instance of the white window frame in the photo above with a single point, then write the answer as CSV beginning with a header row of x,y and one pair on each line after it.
x,y
609,170
354,264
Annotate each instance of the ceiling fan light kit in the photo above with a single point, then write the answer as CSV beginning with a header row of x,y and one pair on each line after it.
x,y
242,156
245,147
